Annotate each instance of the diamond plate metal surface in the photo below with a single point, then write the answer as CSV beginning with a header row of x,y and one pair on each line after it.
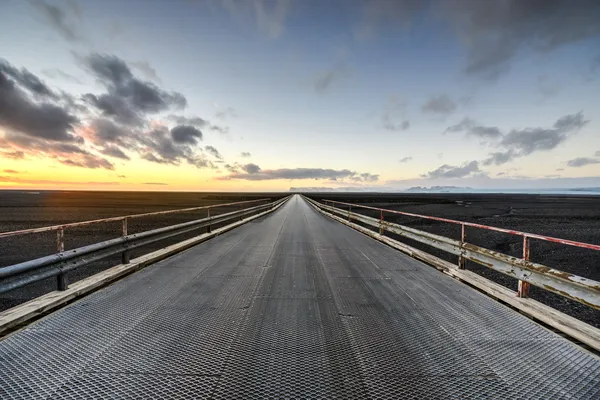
x,y
294,306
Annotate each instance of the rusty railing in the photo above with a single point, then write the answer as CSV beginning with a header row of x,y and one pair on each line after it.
x,y
583,290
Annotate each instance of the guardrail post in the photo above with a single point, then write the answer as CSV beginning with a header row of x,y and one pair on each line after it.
x,y
381,222
349,213
463,239
208,228
125,254
61,279
523,290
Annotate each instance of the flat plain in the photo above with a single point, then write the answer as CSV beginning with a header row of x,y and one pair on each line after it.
x,y
569,217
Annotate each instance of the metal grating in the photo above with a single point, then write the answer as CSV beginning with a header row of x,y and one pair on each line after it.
x,y
292,307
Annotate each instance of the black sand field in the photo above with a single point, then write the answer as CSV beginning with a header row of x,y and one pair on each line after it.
x,y
569,217
563,216
24,210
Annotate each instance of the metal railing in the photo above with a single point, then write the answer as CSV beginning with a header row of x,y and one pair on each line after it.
x,y
63,261
583,290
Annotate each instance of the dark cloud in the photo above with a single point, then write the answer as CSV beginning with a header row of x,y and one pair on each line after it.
x,y
19,113
88,161
582,161
27,80
441,105
405,159
57,19
254,173
10,171
449,171
186,134
560,169
472,128
128,98
114,151
213,151
499,158
521,142
155,183
245,154
527,141
161,146
496,32
106,131
251,168
193,121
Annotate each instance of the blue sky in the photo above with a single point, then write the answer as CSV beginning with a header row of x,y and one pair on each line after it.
x,y
377,94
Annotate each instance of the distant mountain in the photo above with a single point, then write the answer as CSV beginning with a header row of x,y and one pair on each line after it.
x,y
591,189
438,189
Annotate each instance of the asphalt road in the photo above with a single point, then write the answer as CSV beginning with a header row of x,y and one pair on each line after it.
x,y
292,305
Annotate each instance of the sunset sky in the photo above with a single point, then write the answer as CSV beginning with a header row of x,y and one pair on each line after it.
x,y
271,94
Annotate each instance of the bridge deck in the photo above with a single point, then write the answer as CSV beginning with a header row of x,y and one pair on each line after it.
x,y
292,306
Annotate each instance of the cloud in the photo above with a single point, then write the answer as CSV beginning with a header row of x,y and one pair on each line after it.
x,y
225,113
19,113
499,158
213,151
582,161
521,142
155,183
253,172
10,171
86,160
128,99
394,115
269,16
472,128
12,179
377,13
405,159
193,121
145,68
546,87
15,155
113,151
57,19
497,32
529,140
325,79
251,168
449,171
441,104
186,134
245,154
56,73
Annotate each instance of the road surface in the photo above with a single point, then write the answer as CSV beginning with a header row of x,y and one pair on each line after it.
x,y
292,305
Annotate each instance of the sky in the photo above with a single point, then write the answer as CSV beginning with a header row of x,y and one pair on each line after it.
x,y
262,95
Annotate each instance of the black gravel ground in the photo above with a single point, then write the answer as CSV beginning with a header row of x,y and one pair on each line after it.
x,y
568,217
24,210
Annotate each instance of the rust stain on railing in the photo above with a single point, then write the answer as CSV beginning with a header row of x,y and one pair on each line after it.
x,y
583,290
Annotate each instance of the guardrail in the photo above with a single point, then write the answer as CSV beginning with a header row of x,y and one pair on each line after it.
x,y
58,264
583,290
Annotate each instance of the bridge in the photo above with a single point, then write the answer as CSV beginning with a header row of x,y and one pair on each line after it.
x,y
292,303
